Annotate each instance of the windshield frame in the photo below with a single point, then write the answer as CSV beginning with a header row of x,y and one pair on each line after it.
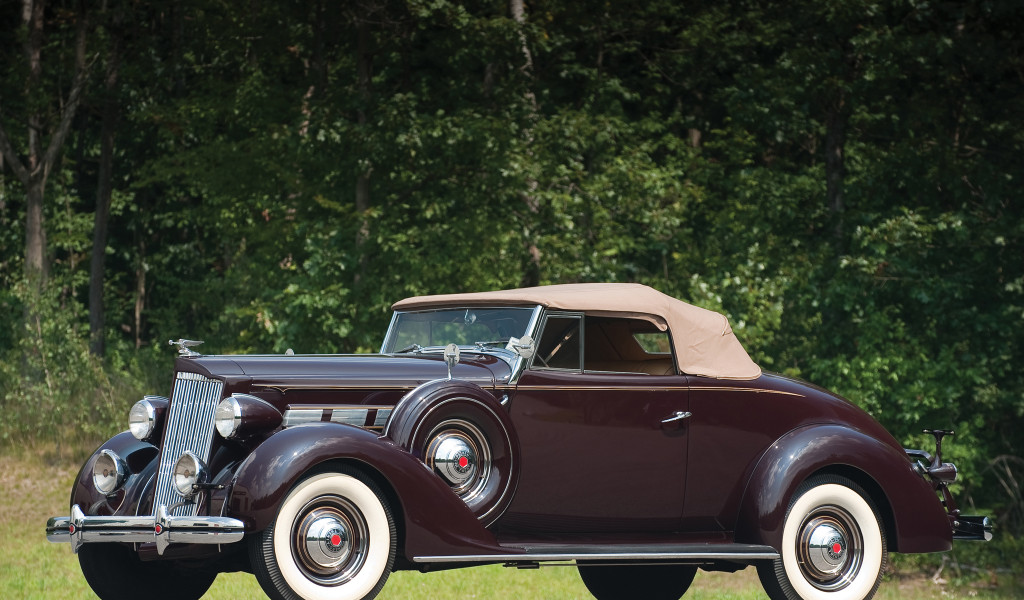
x,y
509,356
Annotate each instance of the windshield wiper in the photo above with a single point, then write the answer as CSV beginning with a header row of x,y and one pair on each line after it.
x,y
409,348
483,345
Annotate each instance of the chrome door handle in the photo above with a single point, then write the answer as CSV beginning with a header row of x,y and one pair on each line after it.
x,y
676,420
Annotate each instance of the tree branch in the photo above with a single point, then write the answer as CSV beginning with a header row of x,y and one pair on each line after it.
x,y
12,157
68,114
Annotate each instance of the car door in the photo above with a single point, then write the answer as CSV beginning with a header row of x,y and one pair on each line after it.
x,y
602,450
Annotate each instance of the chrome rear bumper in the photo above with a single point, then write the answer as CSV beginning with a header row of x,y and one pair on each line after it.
x,y
972,528
161,528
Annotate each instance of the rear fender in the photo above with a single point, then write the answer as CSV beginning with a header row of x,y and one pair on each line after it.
x,y
913,515
435,521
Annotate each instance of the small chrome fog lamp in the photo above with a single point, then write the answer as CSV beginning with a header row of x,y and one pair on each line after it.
x,y
142,419
188,472
228,417
109,472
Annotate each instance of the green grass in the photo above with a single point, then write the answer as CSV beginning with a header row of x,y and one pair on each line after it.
x,y
31,490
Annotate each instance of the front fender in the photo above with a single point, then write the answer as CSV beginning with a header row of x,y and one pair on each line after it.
x,y
915,519
141,459
436,522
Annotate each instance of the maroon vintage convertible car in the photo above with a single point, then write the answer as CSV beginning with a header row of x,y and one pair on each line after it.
x,y
606,426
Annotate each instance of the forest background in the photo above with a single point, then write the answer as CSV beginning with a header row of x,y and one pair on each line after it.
x,y
841,178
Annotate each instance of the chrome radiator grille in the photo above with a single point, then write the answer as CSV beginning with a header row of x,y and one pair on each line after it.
x,y
189,428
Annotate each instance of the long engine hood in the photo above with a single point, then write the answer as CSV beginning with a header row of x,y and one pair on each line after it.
x,y
351,371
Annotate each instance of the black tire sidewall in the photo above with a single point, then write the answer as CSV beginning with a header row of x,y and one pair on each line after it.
x,y
628,582
115,572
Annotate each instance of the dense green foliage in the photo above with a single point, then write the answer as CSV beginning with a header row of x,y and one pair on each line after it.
x,y
840,178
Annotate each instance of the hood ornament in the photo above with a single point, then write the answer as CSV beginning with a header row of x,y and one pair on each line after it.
x,y
184,345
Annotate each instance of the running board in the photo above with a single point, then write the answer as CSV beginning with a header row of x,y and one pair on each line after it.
x,y
613,553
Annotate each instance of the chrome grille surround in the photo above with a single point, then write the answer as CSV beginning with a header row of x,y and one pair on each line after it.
x,y
189,428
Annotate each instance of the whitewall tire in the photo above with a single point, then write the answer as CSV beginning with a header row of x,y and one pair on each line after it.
x,y
833,545
333,538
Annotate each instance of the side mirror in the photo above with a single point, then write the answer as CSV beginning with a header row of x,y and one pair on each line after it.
x,y
451,357
523,346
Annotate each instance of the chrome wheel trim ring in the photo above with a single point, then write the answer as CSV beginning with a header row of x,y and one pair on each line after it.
x,y
330,540
829,548
473,479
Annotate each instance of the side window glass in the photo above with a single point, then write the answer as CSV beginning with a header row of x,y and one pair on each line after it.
x,y
654,343
618,345
560,343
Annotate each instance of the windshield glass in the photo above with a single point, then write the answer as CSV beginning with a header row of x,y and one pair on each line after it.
x,y
488,327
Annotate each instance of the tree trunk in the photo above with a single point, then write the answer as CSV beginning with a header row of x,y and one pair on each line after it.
x,y
3,193
140,291
104,190
35,235
835,166
37,165
531,267
364,73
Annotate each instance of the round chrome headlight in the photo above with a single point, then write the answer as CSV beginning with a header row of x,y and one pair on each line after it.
x,y
188,472
142,419
109,472
228,417
241,416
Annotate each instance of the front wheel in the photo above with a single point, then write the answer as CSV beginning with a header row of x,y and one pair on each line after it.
x,y
333,538
115,572
833,545
626,582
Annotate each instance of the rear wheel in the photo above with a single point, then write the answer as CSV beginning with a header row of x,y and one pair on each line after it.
x,y
333,538
115,572
627,582
833,545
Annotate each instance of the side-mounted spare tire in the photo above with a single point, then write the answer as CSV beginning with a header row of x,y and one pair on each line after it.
x,y
465,436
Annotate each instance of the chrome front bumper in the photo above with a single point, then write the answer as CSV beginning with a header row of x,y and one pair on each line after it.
x,y
161,528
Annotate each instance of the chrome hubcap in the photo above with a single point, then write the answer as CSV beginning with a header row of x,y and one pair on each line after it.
x,y
327,539
330,540
826,546
830,548
459,453
454,456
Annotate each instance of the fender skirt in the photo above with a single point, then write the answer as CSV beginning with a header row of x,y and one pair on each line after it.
x,y
435,521
909,507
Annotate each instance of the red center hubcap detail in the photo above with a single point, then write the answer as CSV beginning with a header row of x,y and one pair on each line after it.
x,y
335,540
836,548
463,462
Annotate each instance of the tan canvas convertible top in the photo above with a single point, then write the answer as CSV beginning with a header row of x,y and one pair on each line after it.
x,y
704,341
